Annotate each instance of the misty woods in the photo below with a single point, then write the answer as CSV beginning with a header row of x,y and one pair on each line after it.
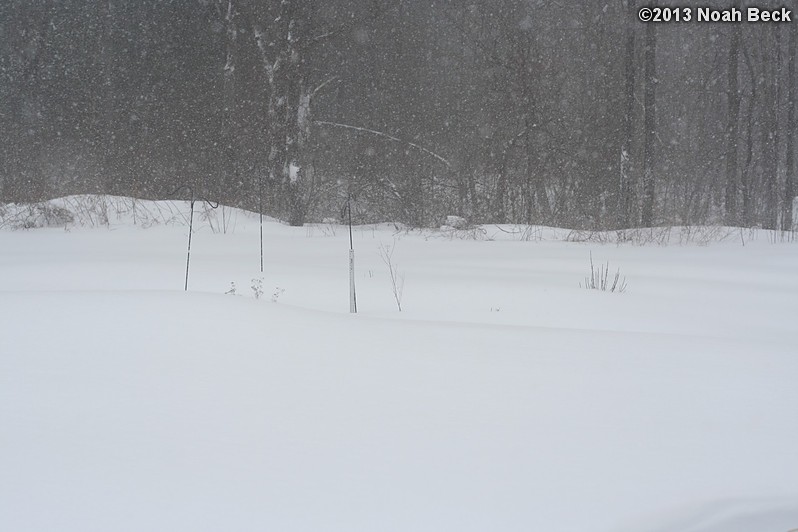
x,y
574,114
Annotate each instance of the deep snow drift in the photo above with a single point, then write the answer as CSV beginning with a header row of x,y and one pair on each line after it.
x,y
503,397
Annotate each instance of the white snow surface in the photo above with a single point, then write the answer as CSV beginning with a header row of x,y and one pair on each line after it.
x,y
503,398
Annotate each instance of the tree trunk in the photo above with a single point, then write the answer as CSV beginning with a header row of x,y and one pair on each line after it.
x,y
625,194
229,172
732,127
769,125
746,212
289,105
105,142
647,218
789,184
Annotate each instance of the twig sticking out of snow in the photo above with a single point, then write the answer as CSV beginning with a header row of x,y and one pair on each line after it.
x,y
599,279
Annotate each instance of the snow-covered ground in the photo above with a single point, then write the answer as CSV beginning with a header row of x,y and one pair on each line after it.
x,y
503,397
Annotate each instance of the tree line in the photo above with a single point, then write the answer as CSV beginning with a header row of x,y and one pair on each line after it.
x,y
500,111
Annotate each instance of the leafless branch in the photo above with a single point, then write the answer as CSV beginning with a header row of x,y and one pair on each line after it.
x,y
385,135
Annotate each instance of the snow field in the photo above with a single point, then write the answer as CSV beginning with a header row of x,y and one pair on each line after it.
x,y
504,397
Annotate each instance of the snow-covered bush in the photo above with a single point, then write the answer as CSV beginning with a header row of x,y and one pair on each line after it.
x,y
455,222
257,287
35,215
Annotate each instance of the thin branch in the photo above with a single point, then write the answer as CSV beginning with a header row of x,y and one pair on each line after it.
x,y
324,35
387,136
353,22
317,89
267,65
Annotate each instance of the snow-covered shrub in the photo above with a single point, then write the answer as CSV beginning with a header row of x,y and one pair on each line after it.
x,y
277,293
39,215
257,287
457,227
455,222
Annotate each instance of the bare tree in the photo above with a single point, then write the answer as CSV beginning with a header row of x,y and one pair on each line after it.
x,y
650,124
732,121
284,40
789,185
625,193
769,126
